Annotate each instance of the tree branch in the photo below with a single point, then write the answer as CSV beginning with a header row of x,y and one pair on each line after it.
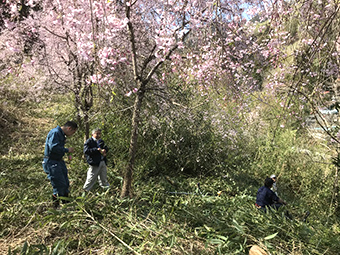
x,y
133,43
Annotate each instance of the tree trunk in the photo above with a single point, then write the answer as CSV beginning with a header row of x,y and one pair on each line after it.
x,y
128,175
87,126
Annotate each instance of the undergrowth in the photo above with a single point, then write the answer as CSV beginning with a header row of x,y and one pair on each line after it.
x,y
169,214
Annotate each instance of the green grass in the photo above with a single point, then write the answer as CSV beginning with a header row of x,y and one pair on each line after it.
x,y
154,221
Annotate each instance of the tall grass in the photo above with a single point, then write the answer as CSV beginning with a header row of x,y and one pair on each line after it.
x,y
169,213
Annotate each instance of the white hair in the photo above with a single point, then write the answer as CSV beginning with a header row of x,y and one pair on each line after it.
x,y
96,130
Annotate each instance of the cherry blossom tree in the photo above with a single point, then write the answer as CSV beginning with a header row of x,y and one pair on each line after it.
x,y
174,25
82,46
67,49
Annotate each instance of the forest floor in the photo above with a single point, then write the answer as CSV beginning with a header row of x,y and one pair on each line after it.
x,y
153,222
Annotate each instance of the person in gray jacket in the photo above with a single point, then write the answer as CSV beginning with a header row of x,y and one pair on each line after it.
x,y
95,152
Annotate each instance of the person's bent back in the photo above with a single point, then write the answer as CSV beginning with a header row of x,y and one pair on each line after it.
x,y
266,197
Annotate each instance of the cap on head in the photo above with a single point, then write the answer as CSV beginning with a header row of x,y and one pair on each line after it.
x,y
273,176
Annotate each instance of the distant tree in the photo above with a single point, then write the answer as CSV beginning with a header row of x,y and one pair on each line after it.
x,y
310,73
62,42
306,77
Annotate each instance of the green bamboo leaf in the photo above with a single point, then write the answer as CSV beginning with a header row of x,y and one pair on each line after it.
x,y
65,224
207,228
238,226
271,236
222,237
24,249
216,241
58,249
154,197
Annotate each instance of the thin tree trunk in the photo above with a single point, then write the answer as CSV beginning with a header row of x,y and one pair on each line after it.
x,y
141,84
87,125
128,175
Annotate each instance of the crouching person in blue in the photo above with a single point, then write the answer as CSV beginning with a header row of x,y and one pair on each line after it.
x,y
267,198
53,164
95,151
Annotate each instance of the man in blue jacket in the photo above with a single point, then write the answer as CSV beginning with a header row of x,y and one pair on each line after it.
x,y
53,164
265,197
95,151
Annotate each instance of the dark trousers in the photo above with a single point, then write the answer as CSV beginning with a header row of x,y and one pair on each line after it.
x,y
57,174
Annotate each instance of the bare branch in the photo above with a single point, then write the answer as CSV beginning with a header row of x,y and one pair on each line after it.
x,y
133,43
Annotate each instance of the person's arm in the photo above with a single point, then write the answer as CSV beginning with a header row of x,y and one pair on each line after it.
x,y
103,148
102,145
276,199
55,145
282,201
106,148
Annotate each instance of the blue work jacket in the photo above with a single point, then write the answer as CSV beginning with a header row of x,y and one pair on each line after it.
x,y
55,144
266,197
